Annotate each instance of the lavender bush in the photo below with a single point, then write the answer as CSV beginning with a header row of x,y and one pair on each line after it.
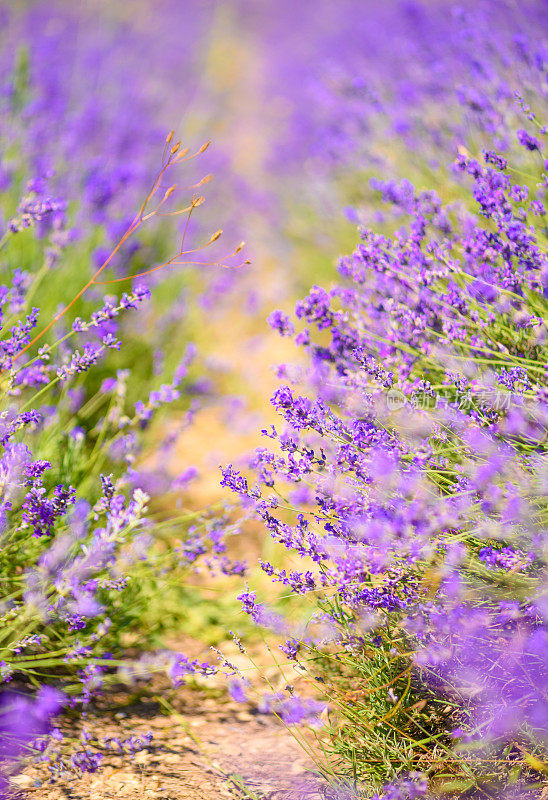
x,y
82,554
410,481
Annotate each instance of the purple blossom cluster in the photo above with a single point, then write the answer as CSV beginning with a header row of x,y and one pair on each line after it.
x,y
34,208
78,545
290,708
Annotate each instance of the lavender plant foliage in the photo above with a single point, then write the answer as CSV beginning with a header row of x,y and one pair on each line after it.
x,y
408,474
80,553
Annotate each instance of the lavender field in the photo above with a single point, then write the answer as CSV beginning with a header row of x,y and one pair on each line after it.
x,y
274,416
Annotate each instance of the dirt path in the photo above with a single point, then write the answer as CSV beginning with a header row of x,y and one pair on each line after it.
x,y
207,748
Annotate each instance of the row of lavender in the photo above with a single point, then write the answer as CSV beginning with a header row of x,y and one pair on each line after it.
x,y
415,462
83,552
409,478
408,471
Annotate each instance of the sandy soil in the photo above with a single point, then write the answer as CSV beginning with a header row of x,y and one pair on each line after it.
x,y
204,747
